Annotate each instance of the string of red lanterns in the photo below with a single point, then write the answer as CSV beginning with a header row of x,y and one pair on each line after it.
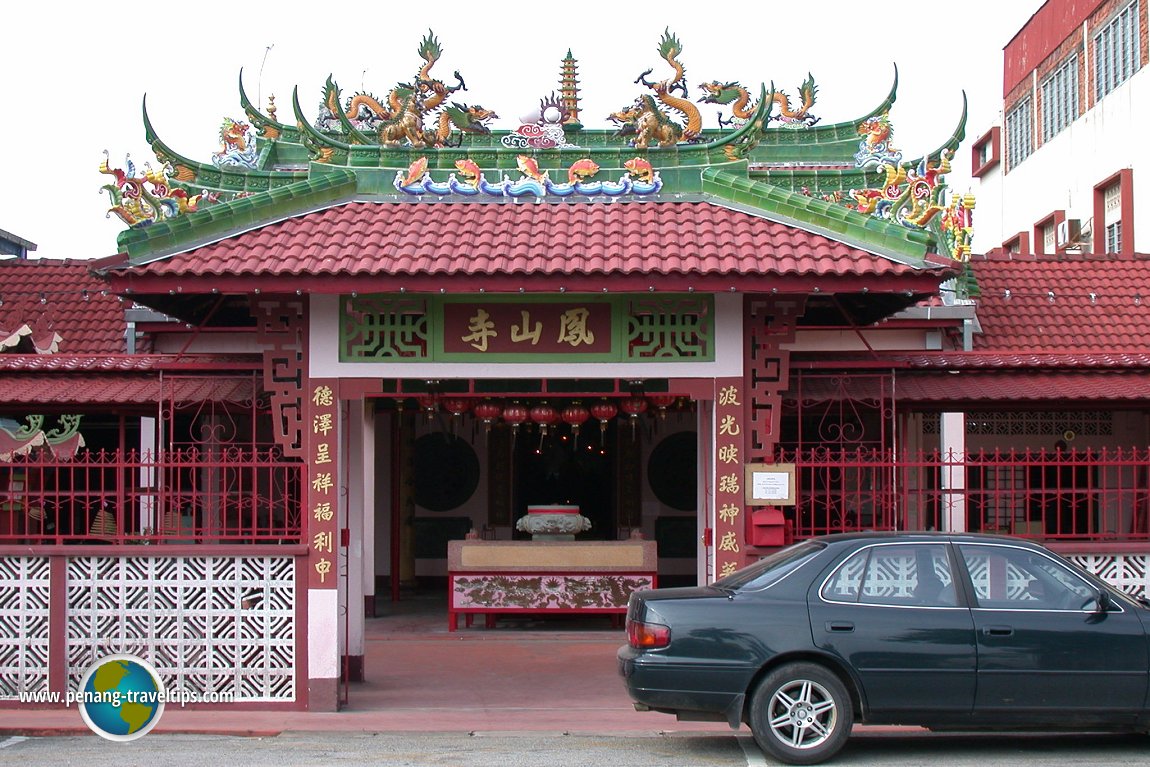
x,y
488,411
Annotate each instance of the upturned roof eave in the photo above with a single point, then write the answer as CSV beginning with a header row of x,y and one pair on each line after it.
x,y
204,227
910,247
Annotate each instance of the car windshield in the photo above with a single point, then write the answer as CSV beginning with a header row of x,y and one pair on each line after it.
x,y
769,569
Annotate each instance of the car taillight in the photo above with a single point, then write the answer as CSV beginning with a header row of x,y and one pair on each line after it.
x,y
647,636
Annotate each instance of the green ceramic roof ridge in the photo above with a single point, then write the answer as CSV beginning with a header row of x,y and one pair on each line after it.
x,y
836,141
166,154
194,229
885,238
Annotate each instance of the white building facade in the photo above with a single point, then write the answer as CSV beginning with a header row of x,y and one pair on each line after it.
x,y
1066,168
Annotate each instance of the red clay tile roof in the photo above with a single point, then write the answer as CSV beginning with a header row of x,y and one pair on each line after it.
x,y
50,389
76,362
521,240
1063,304
70,363
1031,385
61,296
959,360
997,386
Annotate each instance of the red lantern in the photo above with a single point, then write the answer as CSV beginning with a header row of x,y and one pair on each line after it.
x,y
457,406
575,416
487,411
544,415
662,402
634,406
429,403
604,411
515,414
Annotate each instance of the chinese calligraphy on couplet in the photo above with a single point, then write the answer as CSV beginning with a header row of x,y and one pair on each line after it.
x,y
322,493
729,418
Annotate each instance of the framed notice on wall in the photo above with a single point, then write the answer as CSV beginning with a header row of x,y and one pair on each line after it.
x,y
770,484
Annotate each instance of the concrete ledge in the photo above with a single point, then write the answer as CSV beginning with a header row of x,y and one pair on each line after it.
x,y
533,556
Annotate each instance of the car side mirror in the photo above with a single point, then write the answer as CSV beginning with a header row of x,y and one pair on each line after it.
x,y
1102,603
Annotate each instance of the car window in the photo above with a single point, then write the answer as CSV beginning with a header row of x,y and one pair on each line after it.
x,y
770,568
1007,577
904,574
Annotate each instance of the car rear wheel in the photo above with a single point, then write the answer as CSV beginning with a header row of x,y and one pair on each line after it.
x,y
801,713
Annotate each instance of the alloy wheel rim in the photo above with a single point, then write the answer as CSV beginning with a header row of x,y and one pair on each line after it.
x,y
802,714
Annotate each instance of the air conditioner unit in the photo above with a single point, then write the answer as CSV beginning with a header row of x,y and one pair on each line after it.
x,y
1068,232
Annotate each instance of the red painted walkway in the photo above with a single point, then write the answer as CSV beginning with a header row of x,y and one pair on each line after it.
x,y
556,674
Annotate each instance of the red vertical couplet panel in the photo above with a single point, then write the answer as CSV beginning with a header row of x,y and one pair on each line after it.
x,y
730,415
322,440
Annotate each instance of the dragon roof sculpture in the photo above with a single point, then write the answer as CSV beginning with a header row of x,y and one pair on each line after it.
x,y
422,140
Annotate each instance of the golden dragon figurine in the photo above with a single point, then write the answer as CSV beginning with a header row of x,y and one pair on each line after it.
x,y
739,98
669,49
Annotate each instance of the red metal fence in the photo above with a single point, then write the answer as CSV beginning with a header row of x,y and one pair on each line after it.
x,y
192,495
1072,495
252,495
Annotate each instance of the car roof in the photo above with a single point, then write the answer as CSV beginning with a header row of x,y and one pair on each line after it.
x,y
933,536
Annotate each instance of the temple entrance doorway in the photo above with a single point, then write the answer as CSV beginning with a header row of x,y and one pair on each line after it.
x,y
451,468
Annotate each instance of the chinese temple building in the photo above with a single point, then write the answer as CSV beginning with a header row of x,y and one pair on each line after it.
x,y
451,336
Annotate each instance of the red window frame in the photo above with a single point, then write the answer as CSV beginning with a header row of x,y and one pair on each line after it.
x,y
1022,240
1054,219
1125,180
992,139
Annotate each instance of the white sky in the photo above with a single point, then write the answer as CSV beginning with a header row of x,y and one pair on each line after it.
x,y
75,74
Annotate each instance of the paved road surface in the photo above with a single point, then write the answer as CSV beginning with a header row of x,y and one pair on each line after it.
x,y
560,750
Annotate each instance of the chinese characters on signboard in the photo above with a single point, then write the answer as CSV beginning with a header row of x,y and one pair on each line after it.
x,y
729,416
528,328
322,490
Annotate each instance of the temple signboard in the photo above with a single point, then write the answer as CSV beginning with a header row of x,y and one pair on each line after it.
x,y
671,327
482,328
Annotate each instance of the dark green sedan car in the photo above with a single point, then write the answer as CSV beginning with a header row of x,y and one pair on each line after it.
x,y
945,631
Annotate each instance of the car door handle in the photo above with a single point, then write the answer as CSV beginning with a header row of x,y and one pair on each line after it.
x,y
842,627
998,631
